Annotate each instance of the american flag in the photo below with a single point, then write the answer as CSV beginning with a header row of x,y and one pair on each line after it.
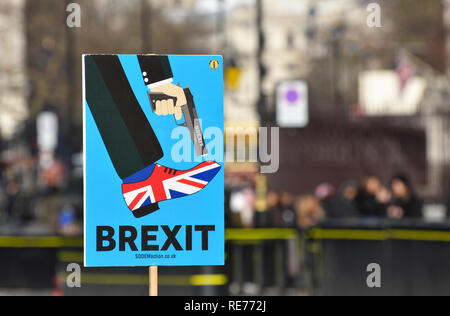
x,y
165,184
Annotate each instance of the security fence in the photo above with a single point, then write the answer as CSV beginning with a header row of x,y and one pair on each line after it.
x,y
329,260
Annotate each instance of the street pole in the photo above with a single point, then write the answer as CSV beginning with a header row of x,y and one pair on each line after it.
x,y
73,87
146,20
220,27
261,67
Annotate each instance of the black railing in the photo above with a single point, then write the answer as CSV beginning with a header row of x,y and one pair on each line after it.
x,y
332,259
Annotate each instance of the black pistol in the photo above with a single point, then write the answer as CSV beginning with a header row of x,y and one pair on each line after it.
x,y
191,120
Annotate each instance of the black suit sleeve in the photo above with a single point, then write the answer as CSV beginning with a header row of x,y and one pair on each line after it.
x,y
155,68
129,138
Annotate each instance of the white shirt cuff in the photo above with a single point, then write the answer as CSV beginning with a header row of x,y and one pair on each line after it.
x,y
159,83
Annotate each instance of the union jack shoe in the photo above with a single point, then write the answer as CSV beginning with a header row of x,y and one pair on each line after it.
x,y
143,190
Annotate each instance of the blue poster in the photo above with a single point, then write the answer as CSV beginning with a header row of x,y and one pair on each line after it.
x,y
154,176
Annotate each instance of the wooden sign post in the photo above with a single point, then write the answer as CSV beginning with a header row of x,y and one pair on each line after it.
x,y
153,281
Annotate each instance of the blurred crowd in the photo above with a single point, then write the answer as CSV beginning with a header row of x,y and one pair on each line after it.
x,y
369,197
38,191
33,189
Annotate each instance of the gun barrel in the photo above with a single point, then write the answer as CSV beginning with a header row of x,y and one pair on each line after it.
x,y
193,123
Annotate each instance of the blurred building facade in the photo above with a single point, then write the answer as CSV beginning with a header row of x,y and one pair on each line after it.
x,y
13,81
327,43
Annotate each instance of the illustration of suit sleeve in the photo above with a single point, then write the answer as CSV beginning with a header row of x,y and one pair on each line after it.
x,y
128,136
156,70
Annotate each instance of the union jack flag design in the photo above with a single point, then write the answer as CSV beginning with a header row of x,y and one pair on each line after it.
x,y
157,183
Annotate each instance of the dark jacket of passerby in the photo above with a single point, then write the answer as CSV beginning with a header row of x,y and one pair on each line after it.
x,y
337,207
411,203
368,205
412,206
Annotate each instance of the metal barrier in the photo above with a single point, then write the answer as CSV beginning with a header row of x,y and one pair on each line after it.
x,y
328,260
262,261
414,258
250,267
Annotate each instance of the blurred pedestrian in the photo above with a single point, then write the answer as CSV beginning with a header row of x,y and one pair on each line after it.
x,y
2,198
12,193
336,206
367,200
274,208
309,212
405,202
288,216
324,192
348,193
242,204
67,222
273,211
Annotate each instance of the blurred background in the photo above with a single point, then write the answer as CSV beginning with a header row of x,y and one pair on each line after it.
x,y
363,106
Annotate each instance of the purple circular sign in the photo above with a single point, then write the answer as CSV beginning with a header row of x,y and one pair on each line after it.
x,y
292,96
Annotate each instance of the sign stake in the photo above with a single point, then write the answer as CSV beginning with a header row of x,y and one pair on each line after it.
x,y
153,281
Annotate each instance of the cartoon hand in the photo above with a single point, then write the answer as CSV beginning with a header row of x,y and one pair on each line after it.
x,y
166,107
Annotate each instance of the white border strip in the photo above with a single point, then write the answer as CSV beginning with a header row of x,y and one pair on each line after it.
x,y
84,155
